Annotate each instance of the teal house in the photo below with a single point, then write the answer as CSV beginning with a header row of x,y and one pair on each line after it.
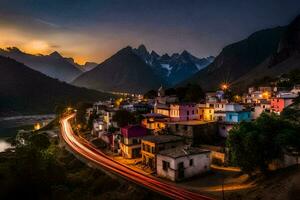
x,y
238,116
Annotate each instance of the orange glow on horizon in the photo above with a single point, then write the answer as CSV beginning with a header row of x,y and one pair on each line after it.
x,y
37,47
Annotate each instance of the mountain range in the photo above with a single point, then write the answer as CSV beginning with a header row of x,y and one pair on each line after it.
x,y
283,61
53,65
26,91
135,70
173,68
123,72
238,59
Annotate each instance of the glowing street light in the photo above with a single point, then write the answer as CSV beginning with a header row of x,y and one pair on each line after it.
x,y
224,86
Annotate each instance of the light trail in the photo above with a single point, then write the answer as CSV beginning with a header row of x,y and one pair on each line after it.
x,y
89,152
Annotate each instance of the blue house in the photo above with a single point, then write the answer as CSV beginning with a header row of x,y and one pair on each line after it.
x,y
238,116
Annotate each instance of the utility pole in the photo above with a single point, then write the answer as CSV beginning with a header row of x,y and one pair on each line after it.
x,y
223,195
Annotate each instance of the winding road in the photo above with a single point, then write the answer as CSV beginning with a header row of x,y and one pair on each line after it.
x,y
83,148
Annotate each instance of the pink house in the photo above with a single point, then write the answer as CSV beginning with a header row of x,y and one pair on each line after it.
x,y
183,112
279,103
130,143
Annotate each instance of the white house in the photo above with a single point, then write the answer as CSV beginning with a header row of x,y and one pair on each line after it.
x,y
296,89
182,162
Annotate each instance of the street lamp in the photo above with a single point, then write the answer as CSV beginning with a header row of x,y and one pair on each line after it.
x,y
224,86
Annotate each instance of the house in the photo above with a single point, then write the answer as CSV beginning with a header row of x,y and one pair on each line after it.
x,y
162,109
98,126
130,142
107,118
154,122
183,112
194,131
263,106
141,107
205,112
152,144
136,107
220,110
281,101
182,162
213,97
263,89
162,98
238,116
296,89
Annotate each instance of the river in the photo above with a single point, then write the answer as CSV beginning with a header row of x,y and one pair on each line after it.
x,y
9,126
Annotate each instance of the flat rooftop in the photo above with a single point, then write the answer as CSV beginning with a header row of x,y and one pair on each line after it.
x,y
182,151
162,138
154,115
191,122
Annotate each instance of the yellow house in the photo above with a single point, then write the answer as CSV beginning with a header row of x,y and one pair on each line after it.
x,y
155,122
152,144
162,109
206,113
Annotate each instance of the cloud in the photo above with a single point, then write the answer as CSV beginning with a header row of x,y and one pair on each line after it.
x,y
50,24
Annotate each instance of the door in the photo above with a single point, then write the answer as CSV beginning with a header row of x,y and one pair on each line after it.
x,y
180,168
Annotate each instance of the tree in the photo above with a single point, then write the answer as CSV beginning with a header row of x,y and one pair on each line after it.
x,y
254,145
123,118
39,141
194,93
150,94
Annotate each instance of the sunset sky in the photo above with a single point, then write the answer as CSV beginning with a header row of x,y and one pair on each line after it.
x,y
93,30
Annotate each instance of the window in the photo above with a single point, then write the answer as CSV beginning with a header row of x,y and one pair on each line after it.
x,y
152,150
135,141
192,112
187,112
191,162
166,165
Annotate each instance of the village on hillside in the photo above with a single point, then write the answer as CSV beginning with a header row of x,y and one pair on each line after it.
x,y
167,138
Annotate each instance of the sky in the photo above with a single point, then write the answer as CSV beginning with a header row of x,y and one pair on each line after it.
x,y
93,30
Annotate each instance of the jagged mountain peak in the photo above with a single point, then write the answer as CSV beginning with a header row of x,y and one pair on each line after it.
x,y
154,54
13,50
142,47
55,54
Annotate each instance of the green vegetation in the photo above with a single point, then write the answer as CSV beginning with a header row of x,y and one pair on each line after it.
x,y
254,145
40,169
189,93
124,117
284,81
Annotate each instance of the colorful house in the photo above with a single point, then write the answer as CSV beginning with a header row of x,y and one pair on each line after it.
x,y
205,113
154,122
279,103
237,116
130,143
163,109
183,112
152,144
